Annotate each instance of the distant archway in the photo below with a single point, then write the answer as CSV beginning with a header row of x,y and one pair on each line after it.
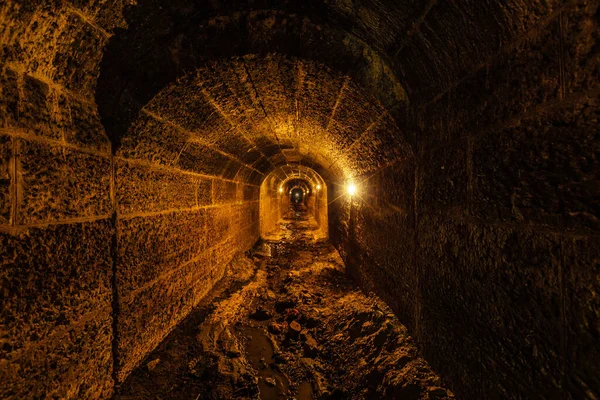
x,y
292,184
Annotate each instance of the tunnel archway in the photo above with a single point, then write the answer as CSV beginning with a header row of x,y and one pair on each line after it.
x,y
275,198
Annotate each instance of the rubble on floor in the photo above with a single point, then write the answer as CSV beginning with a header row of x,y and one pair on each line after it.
x,y
287,323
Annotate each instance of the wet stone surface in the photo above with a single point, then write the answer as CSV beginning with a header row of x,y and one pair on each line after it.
x,y
287,323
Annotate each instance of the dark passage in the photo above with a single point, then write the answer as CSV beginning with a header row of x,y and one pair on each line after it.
x,y
287,322
297,196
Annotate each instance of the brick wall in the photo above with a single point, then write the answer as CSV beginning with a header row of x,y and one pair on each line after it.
x,y
485,245
177,229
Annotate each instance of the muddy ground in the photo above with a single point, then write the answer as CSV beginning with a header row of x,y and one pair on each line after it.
x,y
287,323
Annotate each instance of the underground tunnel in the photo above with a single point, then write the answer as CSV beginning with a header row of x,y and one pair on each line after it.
x,y
319,199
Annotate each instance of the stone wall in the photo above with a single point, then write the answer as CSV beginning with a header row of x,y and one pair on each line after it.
x,y
177,229
93,243
82,229
272,208
489,254
318,205
55,204
56,234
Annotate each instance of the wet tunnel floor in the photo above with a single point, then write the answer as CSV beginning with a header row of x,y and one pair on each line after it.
x,y
287,323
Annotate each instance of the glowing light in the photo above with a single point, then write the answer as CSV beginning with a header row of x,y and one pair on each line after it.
x,y
351,189
318,187
280,190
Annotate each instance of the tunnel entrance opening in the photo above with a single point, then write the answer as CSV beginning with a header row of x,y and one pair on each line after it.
x,y
284,193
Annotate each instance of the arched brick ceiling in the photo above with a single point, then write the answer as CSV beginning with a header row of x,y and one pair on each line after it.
x,y
263,82
241,118
284,174
389,47
139,64
420,47
123,55
393,50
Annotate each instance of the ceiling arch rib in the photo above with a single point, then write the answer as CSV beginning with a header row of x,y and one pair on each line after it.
x,y
143,60
244,117
295,173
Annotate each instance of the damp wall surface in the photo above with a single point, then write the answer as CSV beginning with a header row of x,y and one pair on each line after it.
x,y
272,208
56,233
175,234
486,244
318,205
96,245
102,252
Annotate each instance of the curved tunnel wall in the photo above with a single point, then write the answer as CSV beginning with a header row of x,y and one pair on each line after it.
x,y
482,234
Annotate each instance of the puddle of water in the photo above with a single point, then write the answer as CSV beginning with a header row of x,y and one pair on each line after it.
x,y
260,354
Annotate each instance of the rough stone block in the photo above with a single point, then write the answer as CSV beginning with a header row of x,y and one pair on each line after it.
x,y
236,144
83,126
73,363
517,80
188,107
59,183
201,159
224,192
429,57
9,97
53,277
142,188
380,146
392,189
108,14
151,140
275,80
460,112
77,54
231,169
49,40
318,92
141,328
529,75
204,272
443,178
383,259
518,329
36,111
581,49
218,223
356,111
149,247
236,96
245,174
251,193
262,164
